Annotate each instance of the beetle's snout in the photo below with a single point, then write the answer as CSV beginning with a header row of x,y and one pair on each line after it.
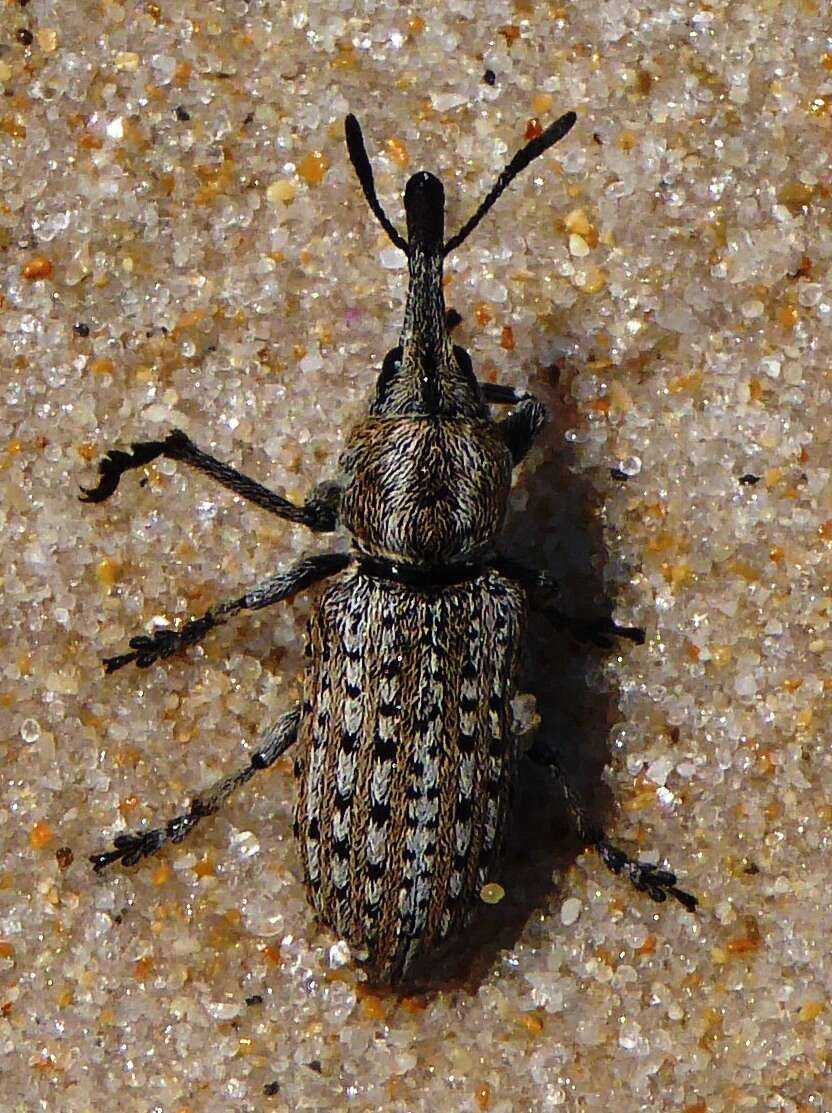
x,y
424,204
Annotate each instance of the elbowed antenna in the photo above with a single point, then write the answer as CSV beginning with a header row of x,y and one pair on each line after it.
x,y
533,149
364,173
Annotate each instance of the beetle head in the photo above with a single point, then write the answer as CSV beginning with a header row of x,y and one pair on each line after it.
x,y
427,375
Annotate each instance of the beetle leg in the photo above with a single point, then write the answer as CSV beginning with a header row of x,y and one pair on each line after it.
x,y
164,642
319,512
597,631
133,846
520,428
644,876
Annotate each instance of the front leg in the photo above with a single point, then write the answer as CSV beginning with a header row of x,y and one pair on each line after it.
x,y
521,427
133,846
596,631
162,643
644,876
319,512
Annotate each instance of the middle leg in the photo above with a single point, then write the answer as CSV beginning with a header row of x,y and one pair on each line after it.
x,y
164,642
596,631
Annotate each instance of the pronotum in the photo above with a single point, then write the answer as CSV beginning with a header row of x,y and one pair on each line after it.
x,y
404,735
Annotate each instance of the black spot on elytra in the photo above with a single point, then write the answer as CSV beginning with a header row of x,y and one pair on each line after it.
x,y
496,748
384,749
464,808
380,814
466,742
349,741
342,801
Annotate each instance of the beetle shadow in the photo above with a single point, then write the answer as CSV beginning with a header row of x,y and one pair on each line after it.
x,y
576,718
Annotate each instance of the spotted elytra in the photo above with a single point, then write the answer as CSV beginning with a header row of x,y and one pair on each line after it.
x,y
404,735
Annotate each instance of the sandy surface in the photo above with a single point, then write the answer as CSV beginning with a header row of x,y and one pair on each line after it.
x,y
183,244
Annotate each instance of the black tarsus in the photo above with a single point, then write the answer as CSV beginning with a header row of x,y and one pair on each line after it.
x,y
116,463
596,631
644,876
364,173
533,149
162,643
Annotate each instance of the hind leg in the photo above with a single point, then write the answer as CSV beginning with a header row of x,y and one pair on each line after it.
x,y
131,847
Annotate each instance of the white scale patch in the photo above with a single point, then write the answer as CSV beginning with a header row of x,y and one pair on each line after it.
x,y
341,825
340,873
373,895
423,811
345,771
466,776
380,781
388,728
463,837
388,691
313,800
422,897
491,817
376,844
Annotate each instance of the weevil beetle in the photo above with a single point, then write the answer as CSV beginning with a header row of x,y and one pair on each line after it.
x,y
406,752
